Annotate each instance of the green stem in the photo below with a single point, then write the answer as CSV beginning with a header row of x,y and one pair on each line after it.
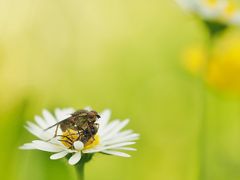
x,y
203,113
203,132
80,170
80,165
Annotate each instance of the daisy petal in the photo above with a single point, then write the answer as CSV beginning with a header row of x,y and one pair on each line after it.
x,y
62,114
116,139
126,148
124,133
109,127
35,130
49,117
58,155
88,108
58,114
75,158
41,122
116,153
119,145
102,148
27,146
105,116
116,130
45,146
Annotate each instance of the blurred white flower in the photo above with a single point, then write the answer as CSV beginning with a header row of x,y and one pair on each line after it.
x,y
221,11
108,140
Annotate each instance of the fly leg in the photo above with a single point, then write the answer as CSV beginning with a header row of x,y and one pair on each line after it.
x,y
70,133
68,142
80,133
55,133
69,139
90,131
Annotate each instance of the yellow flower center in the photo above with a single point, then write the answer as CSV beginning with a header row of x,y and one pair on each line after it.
x,y
92,142
210,3
70,136
230,9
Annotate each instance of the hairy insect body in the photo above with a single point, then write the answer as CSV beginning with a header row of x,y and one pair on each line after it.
x,y
81,125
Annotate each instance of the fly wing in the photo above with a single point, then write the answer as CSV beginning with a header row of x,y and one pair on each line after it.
x,y
77,121
69,124
65,121
82,122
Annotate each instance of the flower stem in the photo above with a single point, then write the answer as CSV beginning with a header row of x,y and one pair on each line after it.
x,y
203,132
203,112
80,166
80,170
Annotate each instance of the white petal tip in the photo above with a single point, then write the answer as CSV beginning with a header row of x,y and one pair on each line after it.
x,y
75,158
58,155
89,108
53,158
116,153
72,163
106,112
23,147
27,146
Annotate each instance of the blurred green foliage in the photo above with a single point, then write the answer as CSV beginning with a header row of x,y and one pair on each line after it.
x,y
118,54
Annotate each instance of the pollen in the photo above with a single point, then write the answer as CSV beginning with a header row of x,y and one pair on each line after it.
x,y
92,142
70,136
230,9
210,3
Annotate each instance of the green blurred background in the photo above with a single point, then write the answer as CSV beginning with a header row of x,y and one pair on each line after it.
x,y
118,54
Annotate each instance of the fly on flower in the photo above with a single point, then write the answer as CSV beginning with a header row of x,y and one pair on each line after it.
x,y
81,125
80,133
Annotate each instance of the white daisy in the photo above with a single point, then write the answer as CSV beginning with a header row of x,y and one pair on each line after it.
x,y
109,138
221,11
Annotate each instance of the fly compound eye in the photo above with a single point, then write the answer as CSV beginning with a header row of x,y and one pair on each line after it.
x,y
91,115
96,114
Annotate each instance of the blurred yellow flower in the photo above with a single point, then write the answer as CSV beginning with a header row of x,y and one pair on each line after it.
x,y
223,68
210,3
194,59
